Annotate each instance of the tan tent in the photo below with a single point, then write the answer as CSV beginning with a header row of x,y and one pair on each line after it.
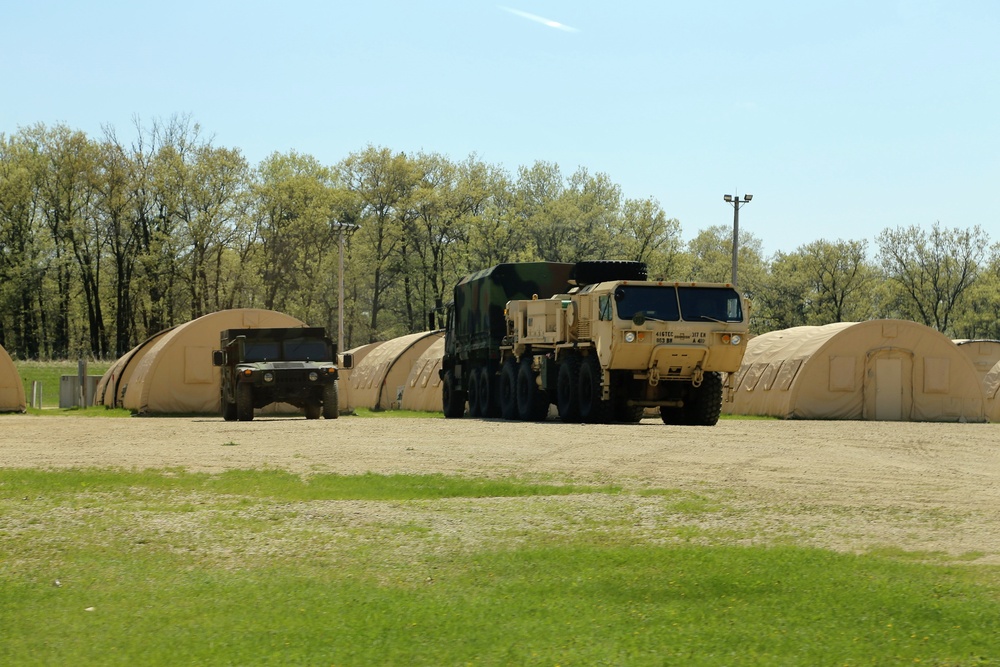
x,y
378,379
175,374
879,370
984,354
11,387
991,389
112,385
422,390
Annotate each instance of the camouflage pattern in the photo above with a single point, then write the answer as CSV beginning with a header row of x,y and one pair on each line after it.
x,y
480,299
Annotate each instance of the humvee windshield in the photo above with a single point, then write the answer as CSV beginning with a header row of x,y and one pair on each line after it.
x,y
692,304
306,349
293,349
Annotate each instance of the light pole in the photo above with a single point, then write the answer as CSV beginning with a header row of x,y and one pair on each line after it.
x,y
340,275
735,201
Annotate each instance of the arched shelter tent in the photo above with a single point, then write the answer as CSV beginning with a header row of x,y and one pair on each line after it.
x,y
176,375
422,390
884,370
357,355
378,380
112,385
984,354
991,390
11,387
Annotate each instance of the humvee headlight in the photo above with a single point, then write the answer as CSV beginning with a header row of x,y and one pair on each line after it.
x,y
629,336
313,376
736,339
269,377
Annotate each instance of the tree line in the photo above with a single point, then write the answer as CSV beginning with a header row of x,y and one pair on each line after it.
x,y
105,242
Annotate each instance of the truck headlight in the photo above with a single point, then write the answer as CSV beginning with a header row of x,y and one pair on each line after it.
x,y
629,336
269,377
313,376
736,339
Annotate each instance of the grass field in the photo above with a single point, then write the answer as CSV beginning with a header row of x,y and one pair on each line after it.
x,y
267,568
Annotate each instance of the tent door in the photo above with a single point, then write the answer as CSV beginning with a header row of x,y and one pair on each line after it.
x,y
888,389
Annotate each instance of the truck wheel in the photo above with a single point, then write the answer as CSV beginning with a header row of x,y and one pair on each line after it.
x,y
331,401
532,404
474,402
228,410
568,389
672,416
313,410
453,401
244,402
592,409
628,414
489,406
705,402
508,389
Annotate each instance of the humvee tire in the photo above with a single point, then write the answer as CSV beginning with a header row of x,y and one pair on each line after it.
x,y
244,402
228,410
313,410
331,401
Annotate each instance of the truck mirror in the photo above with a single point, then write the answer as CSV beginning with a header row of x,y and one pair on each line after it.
x,y
218,358
348,361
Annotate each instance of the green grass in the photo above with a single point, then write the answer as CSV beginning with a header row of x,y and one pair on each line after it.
x,y
265,568
368,413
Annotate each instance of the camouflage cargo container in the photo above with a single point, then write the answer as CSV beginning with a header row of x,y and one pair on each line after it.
x,y
476,323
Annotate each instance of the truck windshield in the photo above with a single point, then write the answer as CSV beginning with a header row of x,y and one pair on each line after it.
x,y
261,351
305,349
714,304
653,301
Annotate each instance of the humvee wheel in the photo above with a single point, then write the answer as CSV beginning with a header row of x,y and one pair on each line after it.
x,y
568,389
452,399
331,401
313,410
244,402
592,408
508,389
532,404
228,410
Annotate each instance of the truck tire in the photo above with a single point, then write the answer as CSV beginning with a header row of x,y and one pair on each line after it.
x,y
508,389
244,402
228,410
489,406
474,402
705,402
532,404
568,389
592,409
331,401
599,271
313,410
453,400
627,414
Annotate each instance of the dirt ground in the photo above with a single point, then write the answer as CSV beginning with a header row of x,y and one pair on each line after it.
x,y
845,485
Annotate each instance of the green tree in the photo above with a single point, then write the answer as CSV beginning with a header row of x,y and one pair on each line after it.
x,y
931,272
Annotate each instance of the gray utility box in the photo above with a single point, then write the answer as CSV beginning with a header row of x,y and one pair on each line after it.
x,y
69,391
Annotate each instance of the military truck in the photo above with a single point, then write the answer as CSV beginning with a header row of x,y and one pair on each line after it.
x,y
476,326
606,351
295,365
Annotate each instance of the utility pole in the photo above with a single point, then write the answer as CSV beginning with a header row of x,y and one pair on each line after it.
x,y
735,201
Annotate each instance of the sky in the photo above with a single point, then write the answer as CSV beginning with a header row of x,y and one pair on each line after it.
x,y
842,119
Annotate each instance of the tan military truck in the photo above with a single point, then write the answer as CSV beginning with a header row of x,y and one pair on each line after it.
x,y
607,351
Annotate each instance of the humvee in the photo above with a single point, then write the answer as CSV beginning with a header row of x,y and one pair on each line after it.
x,y
296,365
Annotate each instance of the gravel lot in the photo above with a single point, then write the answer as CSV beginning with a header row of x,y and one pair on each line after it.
x,y
843,485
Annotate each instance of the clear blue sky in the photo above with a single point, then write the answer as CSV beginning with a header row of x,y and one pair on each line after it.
x,y
841,118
